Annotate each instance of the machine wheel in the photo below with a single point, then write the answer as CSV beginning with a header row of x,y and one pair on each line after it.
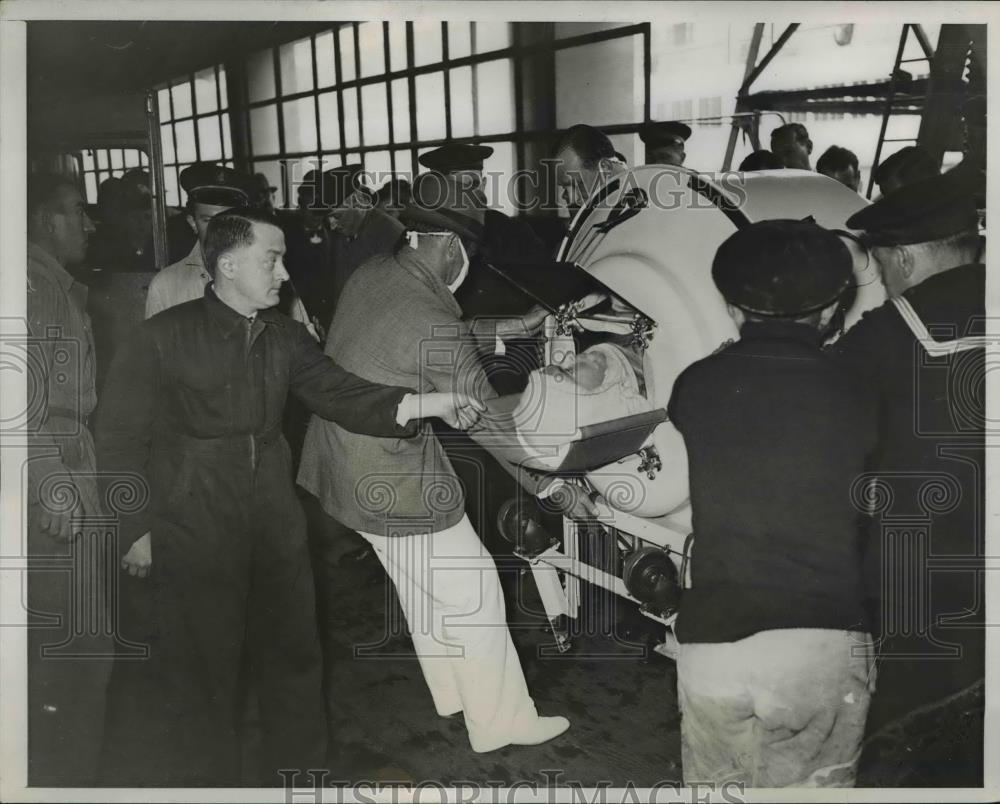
x,y
651,577
519,523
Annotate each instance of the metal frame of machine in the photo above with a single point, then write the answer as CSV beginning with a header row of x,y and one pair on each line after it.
x,y
655,540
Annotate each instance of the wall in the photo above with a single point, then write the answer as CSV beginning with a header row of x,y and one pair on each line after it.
x,y
601,83
70,123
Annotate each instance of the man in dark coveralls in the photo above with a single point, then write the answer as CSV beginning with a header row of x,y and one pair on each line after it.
x,y
921,352
774,684
193,409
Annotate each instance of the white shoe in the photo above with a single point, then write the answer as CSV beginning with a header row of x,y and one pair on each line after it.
x,y
541,731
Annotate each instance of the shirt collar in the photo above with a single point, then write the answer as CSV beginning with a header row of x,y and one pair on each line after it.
x,y
781,329
195,257
229,320
51,265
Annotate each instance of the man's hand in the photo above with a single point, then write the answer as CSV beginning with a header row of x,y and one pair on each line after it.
x,y
528,324
535,318
460,411
57,525
139,557
571,500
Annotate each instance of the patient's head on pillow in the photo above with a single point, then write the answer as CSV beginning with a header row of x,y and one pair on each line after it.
x,y
595,386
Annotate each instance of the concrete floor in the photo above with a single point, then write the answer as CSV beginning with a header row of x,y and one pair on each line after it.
x,y
619,696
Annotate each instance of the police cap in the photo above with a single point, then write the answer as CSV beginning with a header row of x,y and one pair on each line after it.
x,y
218,185
658,134
449,158
929,209
782,268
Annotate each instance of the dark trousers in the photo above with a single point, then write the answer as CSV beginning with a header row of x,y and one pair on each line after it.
x,y
230,604
69,659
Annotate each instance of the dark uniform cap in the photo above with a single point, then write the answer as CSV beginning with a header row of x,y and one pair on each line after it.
x,y
656,134
331,188
782,268
930,209
219,185
907,165
456,157
442,201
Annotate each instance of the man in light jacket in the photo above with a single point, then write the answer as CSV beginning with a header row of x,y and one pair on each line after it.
x,y
398,322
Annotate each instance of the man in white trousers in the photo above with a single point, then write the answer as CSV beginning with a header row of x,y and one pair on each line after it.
x,y
398,318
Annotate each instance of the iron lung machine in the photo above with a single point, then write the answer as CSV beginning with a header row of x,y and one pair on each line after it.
x,y
644,244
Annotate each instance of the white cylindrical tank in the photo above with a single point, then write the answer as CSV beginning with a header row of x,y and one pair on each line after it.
x,y
651,239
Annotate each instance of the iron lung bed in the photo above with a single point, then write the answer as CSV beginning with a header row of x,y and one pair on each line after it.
x,y
644,245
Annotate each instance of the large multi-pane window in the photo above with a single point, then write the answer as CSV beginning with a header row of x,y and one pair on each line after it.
x,y
194,126
380,94
99,164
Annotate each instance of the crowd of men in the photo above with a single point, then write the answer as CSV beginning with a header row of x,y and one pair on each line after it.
x,y
330,308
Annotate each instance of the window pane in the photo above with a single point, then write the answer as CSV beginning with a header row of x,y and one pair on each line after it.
x,y
372,47
209,144
227,138
430,106
260,75
88,159
326,72
352,133
404,164
329,126
181,93
491,35
426,43
300,125
143,159
184,132
223,89
170,187
462,124
346,36
118,159
204,91
167,143
378,168
102,159
264,130
397,45
376,114
459,39
163,100
90,183
272,170
400,110
131,158
494,80
296,67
